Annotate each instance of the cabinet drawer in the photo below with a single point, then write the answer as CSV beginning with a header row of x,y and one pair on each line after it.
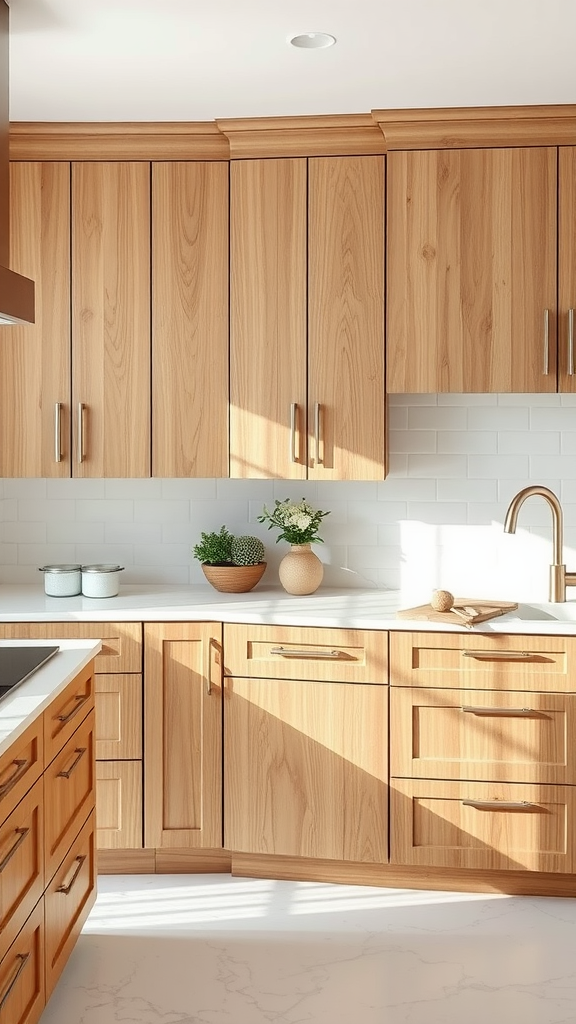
x,y
474,661
299,652
22,973
118,716
480,825
121,641
119,805
21,766
483,734
67,711
68,793
21,864
67,901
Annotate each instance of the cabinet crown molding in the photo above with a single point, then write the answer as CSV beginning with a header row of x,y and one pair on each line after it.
x,y
297,136
477,127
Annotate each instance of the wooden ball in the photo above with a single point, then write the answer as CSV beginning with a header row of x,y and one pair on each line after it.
x,y
442,600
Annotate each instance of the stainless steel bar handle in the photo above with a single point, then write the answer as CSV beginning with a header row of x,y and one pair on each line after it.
x,y
498,655
81,408
65,774
570,342
293,413
23,958
317,408
502,712
208,667
499,805
546,342
66,888
21,833
294,652
58,432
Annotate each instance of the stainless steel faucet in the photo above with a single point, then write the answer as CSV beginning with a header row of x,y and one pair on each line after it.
x,y
559,578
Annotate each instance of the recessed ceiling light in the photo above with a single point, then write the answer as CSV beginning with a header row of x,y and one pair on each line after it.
x,y
313,40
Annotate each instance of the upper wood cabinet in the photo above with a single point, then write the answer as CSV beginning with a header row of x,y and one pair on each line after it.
x,y
471,262
35,360
306,342
190,319
77,382
111,319
567,270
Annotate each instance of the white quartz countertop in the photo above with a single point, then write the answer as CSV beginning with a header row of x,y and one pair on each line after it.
x,y
348,608
30,698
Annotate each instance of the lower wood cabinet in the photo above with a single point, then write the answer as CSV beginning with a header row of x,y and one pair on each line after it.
x,y
119,805
306,769
68,897
183,735
22,987
488,826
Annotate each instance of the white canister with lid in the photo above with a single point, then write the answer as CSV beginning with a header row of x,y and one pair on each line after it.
x,y
62,580
101,580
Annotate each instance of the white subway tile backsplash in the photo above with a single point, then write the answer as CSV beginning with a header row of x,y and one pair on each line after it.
x,y
455,461
543,442
438,417
105,511
467,442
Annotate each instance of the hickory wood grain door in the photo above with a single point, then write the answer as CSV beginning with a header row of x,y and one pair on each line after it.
x,y
471,264
183,735
307,318
111,319
306,768
35,359
567,270
190,319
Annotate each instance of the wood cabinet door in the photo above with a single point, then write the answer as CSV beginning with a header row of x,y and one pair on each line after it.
x,y
268,218
306,769
567,270
346,318
119,805
35,359
471,265
22,992
111,319
190,319
183,735
69,794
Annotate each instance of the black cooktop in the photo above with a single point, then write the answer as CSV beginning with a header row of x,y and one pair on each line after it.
x,y
17,663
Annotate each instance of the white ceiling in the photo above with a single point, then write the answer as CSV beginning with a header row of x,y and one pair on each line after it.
x,y
187,60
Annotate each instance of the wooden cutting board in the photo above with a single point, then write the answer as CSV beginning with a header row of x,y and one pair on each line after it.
x,y
485,610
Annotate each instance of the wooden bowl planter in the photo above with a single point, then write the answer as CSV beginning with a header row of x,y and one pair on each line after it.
x,y
234,579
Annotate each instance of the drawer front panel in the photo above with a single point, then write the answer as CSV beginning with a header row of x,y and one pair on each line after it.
x,y
118,717
21,766
67,901
121,641
475,661
487,826
22,973
21,865
483,734
298,652
67,711
119,805
68,793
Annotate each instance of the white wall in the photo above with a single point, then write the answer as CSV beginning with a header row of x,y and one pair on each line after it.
x,y
455,462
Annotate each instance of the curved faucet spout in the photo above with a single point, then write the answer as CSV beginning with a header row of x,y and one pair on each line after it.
x,y
557,517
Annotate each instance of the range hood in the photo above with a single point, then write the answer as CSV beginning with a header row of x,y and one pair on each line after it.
x,y
16,292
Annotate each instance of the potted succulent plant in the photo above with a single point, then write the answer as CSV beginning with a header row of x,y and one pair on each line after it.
x,y
233,565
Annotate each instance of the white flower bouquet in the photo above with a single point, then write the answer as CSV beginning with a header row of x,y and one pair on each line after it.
x,y
298,522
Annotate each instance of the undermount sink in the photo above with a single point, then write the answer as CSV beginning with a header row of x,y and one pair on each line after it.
x,y
547,612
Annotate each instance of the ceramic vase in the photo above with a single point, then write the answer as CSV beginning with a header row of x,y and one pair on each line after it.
x,y
300,570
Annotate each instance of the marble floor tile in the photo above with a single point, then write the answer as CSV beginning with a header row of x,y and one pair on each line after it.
x,y
211,949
